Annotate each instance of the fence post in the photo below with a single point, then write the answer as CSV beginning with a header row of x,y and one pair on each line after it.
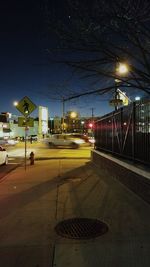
x,y
133,129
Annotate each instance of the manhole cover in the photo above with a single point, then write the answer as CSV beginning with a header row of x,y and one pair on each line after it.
x,y
81,228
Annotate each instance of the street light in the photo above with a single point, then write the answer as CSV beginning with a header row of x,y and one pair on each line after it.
x,y
15,103
82,123
121,70
72,121
73,114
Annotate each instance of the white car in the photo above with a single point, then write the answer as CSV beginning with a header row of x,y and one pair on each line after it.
x,y
3,156
8,142
65,140
11,142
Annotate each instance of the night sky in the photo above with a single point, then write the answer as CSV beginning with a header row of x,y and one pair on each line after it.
x,y
25,69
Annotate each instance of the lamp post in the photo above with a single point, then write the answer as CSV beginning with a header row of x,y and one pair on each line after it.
x,y
63,114
117,100
121,70
82,123
15,103
72,120
51,125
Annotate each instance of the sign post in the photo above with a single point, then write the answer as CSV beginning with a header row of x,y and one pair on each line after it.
x,y
26,107
25,144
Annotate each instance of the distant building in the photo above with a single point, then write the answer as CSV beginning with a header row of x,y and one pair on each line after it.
x,y
54,125
9,127
5,130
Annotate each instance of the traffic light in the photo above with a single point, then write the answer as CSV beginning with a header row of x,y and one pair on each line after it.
x,y
91,125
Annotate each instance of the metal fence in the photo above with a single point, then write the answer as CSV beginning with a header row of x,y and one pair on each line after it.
x,y
126,132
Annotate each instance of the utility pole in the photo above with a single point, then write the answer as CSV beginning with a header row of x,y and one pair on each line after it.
x,y
92,109
63,114
92,113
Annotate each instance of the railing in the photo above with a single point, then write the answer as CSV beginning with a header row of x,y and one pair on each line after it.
x,y
126,132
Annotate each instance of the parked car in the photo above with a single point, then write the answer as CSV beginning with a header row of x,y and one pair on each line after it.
x,y
3,156
8,142
32,137
65,140
11,142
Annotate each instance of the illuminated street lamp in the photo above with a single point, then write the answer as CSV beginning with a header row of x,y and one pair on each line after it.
x,y
121,70
15,103
73,114
82,123
72,121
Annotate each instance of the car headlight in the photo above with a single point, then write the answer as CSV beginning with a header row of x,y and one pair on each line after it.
x,y
79,142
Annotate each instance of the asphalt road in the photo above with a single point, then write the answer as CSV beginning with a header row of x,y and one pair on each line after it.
x,y
42,152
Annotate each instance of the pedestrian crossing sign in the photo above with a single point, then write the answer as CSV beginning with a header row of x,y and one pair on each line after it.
x,y
26,106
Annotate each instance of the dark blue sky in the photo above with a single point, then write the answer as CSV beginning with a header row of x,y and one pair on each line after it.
x,y
24,64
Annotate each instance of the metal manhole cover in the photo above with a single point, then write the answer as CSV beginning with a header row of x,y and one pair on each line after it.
x,y
81,228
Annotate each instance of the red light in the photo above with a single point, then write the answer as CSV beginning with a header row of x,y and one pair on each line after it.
x,y
90,125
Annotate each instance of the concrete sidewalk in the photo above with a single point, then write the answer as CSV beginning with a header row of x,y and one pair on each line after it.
x,y
34,201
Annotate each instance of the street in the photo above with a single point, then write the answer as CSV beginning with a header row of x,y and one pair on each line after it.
x,y
41,152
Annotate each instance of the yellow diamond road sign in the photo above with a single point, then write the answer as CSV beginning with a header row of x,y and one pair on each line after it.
x,y
26,106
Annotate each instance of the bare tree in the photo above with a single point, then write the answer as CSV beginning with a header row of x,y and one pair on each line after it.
x,y
98,34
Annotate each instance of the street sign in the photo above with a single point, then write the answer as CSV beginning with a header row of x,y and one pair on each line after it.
x,y
26,106
25,122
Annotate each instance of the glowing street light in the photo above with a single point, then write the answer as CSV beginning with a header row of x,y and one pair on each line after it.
x,y
122,68
15,103
73,114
